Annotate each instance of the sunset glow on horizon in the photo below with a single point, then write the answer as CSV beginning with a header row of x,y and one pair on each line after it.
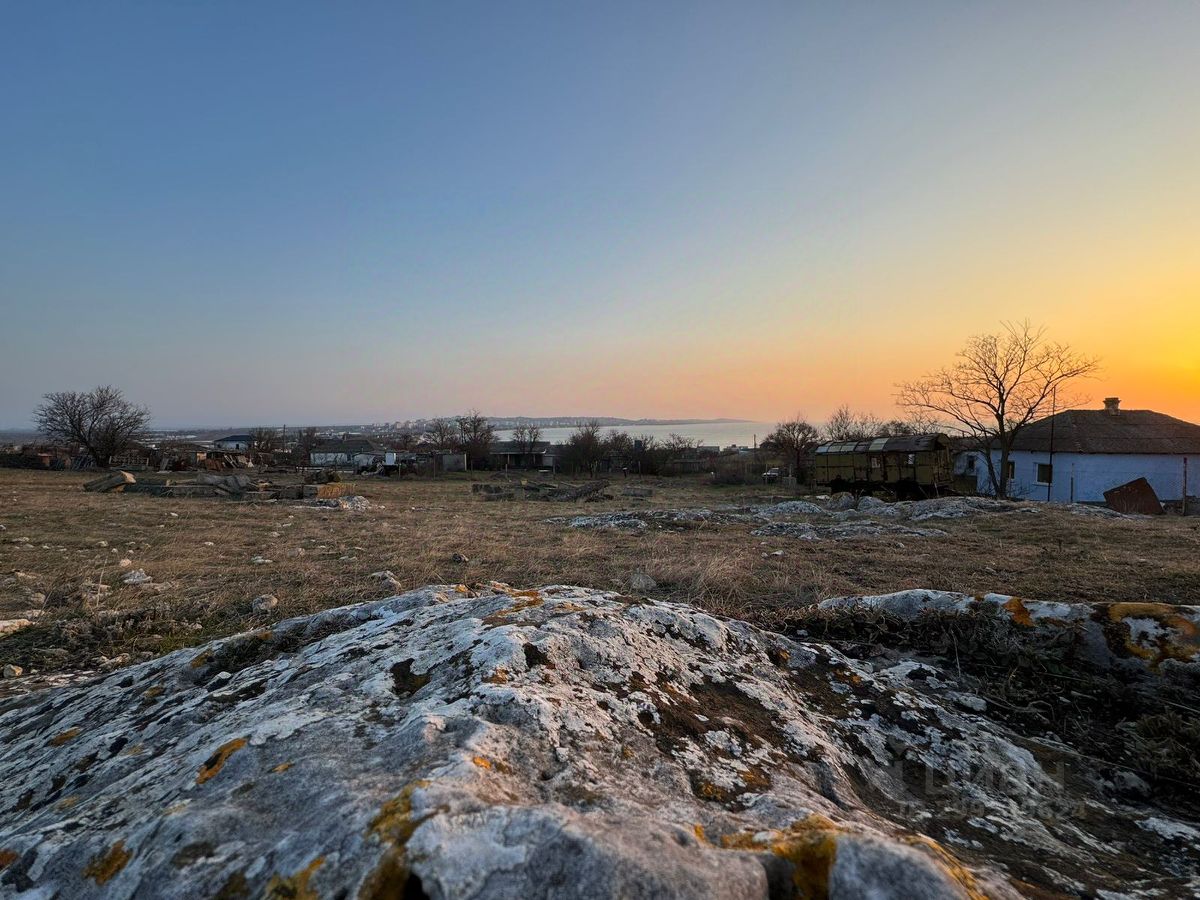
x,y
315,213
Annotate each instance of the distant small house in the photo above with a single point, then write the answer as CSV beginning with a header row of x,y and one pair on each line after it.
x,y
516,455
1079,454
359,452
233,442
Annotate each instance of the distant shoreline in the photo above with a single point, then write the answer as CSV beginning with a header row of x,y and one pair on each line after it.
x,y
500,423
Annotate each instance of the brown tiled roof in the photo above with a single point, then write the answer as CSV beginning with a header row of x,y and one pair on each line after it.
x,y
1098,431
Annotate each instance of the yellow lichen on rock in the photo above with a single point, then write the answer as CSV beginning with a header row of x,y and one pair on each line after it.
x,y
394,824
59,739
810,845
950,864
105,865
1185,647
214,763
294,887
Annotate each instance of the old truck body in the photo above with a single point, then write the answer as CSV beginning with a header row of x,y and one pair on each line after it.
x,y
908,466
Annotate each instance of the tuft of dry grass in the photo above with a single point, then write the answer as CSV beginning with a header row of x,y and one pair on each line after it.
x,y
202,550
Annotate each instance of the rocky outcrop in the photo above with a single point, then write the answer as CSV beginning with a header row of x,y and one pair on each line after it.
x,y
1136,639
558,742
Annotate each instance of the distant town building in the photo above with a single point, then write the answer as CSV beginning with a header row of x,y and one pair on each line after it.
x,y
233,442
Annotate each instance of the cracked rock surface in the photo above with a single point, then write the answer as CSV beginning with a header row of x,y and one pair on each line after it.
x,y
558,742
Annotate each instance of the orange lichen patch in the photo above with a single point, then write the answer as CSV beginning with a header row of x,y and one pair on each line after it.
x,y
67,802
202,659
59,739
1017,609
7,858
152,692
950,864
810,845
494,764
500,676
1184,646
134,750
698,830
105,865
527,599
283,767
566,606
294,887
213,764
463,589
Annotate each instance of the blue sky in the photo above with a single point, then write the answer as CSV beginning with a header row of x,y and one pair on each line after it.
x,y
254,212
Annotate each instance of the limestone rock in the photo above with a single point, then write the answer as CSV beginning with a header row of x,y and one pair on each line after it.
x,y
1137,639
265,603
640,581
561,742
12,626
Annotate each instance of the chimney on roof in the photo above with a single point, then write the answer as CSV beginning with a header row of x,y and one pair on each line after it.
x,y
1112,406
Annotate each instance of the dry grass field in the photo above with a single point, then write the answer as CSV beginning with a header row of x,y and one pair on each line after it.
x,y
200,551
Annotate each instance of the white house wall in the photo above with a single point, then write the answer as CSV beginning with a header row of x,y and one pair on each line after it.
x,y
1084,477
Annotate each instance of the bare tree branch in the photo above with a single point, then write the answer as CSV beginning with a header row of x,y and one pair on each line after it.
x,y
1000,383
101,421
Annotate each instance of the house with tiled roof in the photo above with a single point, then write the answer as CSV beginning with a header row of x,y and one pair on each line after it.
x,y
1078,454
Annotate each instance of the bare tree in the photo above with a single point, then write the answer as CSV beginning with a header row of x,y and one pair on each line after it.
x,y
645,454
442,433
265,440
526,437
793,439
618,443
306,442
847,425
584,448
101,421
1000,384
915,423
475,437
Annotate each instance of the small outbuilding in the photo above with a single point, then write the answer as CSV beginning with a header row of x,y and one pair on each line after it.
x,y
358,452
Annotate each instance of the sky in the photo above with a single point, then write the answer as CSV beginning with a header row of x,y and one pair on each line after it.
x,y
352,212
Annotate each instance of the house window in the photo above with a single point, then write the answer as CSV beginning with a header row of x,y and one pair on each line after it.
x,y
970,465
1010,471
1045,472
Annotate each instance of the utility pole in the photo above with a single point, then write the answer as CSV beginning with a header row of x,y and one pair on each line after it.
x,y
1053,412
